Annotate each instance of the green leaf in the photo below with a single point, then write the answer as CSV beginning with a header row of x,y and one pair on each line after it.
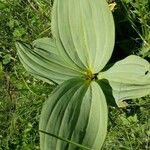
x,y
127,79
85,31
46,44
74,117
6,59
53,46
3,5
1,70
42,61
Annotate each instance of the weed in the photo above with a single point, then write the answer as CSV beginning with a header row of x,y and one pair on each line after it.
x,y
21,96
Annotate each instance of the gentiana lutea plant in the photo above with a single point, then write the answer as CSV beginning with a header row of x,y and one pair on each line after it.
x,y
75,115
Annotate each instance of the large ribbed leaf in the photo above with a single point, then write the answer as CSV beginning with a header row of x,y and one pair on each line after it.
x,y
127,79
46,44
43,61
53,46
85,31
75,115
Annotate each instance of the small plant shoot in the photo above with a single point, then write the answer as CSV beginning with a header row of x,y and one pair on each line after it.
x,y
75,115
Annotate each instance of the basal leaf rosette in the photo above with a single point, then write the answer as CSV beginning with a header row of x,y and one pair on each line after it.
x,y
75,115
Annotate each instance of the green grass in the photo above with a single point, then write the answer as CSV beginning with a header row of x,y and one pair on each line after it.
x,y
22,96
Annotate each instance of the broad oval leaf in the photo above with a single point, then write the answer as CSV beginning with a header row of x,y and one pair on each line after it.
x,y
85,31
74,117
44,62
127,79
52,46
